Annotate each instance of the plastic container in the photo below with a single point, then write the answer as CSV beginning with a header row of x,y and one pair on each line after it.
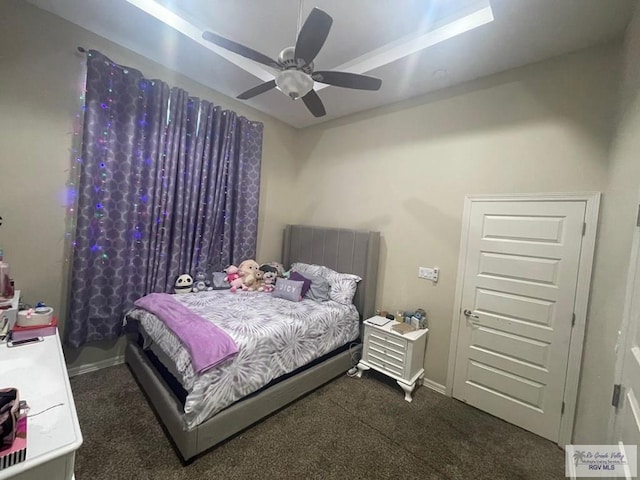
x,y
33,317
5,279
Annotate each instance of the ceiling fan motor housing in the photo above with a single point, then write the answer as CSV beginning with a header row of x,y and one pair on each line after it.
x,y
288,60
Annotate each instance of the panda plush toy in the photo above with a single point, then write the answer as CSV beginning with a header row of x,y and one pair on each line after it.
x,y
184,284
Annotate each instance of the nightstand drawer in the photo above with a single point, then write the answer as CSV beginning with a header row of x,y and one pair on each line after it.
x,y
384,364
388,340
390,355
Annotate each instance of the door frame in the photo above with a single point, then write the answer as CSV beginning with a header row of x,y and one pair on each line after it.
x,y
632,274
592,206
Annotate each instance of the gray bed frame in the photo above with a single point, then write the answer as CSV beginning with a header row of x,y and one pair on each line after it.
x,y
346,251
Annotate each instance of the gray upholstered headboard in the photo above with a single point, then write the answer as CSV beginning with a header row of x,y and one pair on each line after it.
x,y
345,251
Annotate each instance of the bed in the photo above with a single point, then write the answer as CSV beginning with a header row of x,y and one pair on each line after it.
x,y
345,251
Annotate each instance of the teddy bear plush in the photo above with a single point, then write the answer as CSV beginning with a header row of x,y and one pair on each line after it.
x,y
252,281
234,277
247,267
248,270
201,283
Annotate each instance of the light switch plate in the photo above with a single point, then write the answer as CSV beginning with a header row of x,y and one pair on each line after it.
x,y
429,273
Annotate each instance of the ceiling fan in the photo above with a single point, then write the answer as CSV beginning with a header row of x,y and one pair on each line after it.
x,y
296,75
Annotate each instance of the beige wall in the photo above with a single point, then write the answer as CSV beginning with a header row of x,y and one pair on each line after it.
x,y
548,127
405,171
618,218
40,75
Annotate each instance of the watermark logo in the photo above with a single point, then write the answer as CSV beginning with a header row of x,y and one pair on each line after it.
x,y
601,461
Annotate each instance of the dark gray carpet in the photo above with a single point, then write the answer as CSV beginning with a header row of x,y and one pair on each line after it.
x,y
348,429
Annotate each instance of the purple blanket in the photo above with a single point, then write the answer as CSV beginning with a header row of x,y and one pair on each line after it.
x,y
207,344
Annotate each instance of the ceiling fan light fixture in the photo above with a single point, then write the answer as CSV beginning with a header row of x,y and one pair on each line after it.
x,y
297,75
294,83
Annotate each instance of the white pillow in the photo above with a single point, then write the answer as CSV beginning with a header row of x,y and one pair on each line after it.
x,y
343,286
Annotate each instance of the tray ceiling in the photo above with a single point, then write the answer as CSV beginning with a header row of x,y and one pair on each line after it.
x,y
414,46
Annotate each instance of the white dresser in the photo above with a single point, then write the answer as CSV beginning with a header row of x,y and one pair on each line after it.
x,y
39,372
398,356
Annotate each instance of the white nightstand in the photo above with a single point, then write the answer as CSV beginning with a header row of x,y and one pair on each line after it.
x,y
398,356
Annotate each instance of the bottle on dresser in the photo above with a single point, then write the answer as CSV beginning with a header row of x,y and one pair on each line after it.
x,y
6,284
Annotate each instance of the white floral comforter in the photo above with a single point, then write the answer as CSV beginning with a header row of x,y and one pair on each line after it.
x,y
274,337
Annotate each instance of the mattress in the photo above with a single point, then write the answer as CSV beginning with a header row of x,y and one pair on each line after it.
x,y
274,336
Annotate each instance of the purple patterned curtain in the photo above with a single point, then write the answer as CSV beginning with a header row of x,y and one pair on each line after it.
x,y
168,184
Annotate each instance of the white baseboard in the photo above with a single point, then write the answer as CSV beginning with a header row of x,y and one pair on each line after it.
x,y
434,386
92,367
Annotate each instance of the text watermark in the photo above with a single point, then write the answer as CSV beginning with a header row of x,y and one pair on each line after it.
x,y
601,461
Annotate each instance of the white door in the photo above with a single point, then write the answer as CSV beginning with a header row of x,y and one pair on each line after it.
x,y
519,287
626,428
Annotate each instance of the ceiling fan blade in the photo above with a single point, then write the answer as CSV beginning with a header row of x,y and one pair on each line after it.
x,y
240,49
314,104
348,80
257,90
312,35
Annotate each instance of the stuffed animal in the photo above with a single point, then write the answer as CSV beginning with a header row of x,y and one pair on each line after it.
x,y
279,268
267,267
268,282
252,281
248,270
247,267
201,283
273,267
233,277
184,284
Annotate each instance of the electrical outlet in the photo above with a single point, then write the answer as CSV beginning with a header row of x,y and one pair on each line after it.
x,y
429,273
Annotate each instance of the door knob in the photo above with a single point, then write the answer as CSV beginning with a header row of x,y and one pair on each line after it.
x,y
469,314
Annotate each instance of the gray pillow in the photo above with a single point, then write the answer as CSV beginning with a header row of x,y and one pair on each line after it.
x,y
288,289
319,289
307,269
220,281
